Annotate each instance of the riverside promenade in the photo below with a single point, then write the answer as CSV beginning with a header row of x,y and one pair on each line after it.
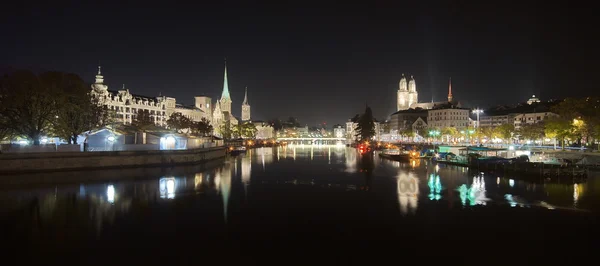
x,y
63,161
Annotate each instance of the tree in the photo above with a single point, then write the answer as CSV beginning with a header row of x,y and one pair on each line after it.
x,y
77,111
366,125
292,121
560,128
142,122
276,124
407,133
488,132
179,122
28,105
532,131
202,127
505,131
226,130
450,132
247,130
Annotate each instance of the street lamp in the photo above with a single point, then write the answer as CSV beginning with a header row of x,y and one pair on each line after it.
x,y
478,111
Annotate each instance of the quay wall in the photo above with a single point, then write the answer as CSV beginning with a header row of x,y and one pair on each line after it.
x,y
42,162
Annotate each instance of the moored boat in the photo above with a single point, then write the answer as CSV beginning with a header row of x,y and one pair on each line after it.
x,y
237,150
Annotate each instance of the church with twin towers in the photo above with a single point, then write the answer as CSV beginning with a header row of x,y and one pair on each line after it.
x,y
408,96
126,105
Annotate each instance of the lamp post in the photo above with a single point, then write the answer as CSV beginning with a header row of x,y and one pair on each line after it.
x,y
478,111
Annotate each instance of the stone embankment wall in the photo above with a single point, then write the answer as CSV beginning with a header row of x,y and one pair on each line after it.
x,y
39,162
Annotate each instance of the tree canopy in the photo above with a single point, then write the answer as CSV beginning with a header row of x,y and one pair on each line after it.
x,y
366,125
51,103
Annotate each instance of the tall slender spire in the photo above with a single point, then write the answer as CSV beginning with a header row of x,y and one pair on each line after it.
x,y
450,90
225,94
246,97
99,72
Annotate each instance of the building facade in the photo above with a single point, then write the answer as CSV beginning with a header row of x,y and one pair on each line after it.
x,y
264,130
530,118
448,117
404,119
339,132
125,105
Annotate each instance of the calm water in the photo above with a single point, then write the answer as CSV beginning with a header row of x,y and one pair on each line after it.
x,y
299,205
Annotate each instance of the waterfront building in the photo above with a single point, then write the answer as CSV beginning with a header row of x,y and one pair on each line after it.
x,y
419,124
448,116
339,132
126,105
530,113
404,119
531,118
264,130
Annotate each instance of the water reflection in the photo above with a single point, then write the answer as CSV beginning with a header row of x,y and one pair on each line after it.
x,y
435,187
408,192
214,191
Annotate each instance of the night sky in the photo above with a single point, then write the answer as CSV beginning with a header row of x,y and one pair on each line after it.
x,y
318,64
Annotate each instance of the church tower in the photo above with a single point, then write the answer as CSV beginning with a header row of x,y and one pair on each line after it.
x,y
450,91
402,101
217,118
225,97
246,107
413,95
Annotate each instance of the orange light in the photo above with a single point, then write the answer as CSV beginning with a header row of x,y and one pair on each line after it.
x,y
230,148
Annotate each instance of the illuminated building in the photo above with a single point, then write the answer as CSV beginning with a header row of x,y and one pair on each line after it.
x,y
245,107
126,105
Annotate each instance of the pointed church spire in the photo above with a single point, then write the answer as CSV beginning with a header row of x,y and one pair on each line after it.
x,y
225,94
450,90
246,97
99,72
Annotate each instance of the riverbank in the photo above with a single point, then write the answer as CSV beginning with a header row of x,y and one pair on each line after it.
x,y
68,161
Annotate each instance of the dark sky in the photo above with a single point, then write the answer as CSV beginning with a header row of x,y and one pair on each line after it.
x,y
318,64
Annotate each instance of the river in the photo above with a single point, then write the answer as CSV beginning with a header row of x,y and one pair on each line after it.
x,y
297,205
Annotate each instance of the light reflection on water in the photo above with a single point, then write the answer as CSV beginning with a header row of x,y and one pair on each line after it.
x,y
302,166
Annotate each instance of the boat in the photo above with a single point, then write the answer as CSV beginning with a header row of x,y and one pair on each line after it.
x,y
237,150
399,155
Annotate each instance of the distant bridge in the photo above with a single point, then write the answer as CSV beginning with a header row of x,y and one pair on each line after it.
x,y
313,140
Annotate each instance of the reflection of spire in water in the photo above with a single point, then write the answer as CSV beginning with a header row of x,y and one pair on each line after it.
x,y
329,154
246,171
408,192
294,148
225,187
311,153
278,149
